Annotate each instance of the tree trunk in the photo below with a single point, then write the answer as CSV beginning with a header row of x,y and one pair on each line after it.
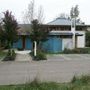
x,y
10,49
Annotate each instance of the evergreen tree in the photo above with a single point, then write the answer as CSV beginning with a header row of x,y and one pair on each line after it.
x,y
10,27
38,32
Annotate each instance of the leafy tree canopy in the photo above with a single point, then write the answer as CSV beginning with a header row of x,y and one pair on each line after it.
x,y
10,27
39,33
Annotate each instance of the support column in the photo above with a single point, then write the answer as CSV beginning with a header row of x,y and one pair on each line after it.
x,y
73,27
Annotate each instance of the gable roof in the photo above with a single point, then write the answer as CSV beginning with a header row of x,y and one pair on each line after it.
x,y
63,21
24,29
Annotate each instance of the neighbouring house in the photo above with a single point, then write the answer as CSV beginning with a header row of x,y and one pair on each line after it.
x,y
59,38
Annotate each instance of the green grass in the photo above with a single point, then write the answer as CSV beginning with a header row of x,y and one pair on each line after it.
x,y
77,83
2,54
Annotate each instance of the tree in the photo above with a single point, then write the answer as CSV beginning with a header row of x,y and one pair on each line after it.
x,y
31,14
35,20
0,27
39,32
40,16
2,35
63,15
10,27
74,13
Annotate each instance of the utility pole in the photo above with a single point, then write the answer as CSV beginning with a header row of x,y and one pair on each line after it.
x,y
73,29
74,14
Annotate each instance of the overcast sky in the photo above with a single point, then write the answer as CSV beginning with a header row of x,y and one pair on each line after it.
x,y
52,8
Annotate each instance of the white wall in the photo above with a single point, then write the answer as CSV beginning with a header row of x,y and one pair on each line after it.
x,y
67,43
88,28
81,40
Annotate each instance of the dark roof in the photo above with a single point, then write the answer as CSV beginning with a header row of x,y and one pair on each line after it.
x,y
61,21
64,21
24,29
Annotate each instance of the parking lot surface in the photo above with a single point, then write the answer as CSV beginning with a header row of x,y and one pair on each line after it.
x,y
58,68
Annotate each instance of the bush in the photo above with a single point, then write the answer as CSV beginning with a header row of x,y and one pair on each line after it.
x,y
88,39
40,55
67,51
9,52
20,49
85,79
10,56
74,79
81,80
77,51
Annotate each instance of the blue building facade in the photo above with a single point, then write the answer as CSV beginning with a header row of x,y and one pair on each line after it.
x,y
60,36
24,43
53,44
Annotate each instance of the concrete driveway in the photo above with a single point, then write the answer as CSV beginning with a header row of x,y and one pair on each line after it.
x,y
58,68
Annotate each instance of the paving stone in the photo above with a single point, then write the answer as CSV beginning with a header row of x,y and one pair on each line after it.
x,y
23,57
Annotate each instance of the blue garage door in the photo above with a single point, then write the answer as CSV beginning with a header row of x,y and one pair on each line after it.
x,y
18,44
57,44
28,43
47,46
54,45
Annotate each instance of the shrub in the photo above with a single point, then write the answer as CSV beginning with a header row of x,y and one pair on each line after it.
x,y
81,80
35,82
88,39
9,52
10,56
13,54
40,55
67,51
73,79
20,49
85,79
77,51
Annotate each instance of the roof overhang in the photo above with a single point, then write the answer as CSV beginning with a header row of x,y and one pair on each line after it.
x,y
65,34
64,25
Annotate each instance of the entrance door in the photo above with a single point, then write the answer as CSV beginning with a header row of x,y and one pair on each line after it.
x,y
19,43
23,43
28,43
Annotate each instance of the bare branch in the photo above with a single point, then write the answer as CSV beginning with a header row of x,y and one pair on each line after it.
x,y
40,16
29,14
31,10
